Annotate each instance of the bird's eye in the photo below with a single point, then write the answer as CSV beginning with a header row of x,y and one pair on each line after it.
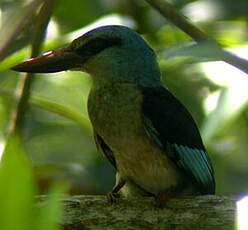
x,y
96,45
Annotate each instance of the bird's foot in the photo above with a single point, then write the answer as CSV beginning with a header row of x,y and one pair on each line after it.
x,y
112,197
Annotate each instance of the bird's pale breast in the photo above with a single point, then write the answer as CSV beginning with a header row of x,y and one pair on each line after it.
x,y
115,113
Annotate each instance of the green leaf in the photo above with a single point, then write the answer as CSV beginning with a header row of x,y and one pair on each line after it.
x,y
62,110
51,213
204,51
16,188
18,209
231,103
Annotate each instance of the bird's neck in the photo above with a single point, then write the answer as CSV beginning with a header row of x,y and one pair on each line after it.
x,y
147,79
125,68
144,77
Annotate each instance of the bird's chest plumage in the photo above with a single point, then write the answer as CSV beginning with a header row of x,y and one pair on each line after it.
x,y
115,113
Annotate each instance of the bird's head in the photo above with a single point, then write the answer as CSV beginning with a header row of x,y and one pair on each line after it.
x,y
107,53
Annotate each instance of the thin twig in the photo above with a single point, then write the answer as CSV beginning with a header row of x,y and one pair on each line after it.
x,y
170,13
25,84
18,24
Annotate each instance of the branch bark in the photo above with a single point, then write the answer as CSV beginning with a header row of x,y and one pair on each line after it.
x,y
171,14
93,212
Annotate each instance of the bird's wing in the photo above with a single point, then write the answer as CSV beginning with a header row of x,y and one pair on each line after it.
x,y
104,149
170,125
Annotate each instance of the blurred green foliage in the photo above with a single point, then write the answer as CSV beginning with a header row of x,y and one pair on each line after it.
x,y
19,209
57,135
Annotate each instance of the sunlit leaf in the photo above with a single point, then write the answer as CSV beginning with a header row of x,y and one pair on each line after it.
x,y
204,51
230,104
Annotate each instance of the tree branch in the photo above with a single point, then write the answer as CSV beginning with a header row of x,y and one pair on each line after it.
x,y
18,24
93,212
170,13
25,84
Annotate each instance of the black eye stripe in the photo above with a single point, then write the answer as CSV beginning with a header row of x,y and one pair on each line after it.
x,y
96,45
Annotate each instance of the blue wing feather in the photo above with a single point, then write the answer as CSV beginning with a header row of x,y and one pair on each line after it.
x,y
193,161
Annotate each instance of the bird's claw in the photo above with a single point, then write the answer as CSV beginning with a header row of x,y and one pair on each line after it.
x,y
112,197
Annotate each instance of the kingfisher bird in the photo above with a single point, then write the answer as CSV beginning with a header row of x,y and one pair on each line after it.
x,y
139,125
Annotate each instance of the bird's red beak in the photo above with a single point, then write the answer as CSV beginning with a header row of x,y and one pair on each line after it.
x,y
51,62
